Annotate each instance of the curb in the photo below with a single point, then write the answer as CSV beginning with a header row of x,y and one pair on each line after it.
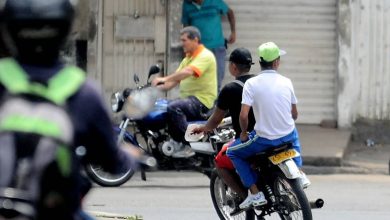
x,y
326,170
322,161
112,216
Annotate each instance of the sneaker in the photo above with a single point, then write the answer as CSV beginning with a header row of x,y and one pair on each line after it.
x,y
257,199
181,150
305,182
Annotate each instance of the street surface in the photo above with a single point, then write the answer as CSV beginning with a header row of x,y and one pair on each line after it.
x,y
185,195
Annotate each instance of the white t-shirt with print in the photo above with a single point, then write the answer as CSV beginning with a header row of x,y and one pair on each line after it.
x,y
271,96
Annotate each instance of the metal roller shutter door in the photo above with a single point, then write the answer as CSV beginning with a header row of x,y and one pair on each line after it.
x,y
306,29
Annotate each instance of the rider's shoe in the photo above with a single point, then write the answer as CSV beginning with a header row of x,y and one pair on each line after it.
x,y
305,182
181,150
254,200
258,199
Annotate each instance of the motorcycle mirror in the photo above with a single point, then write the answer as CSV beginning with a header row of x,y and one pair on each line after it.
x,y
136,79
140,102
153,70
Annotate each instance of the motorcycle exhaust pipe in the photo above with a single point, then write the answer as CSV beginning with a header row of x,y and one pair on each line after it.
x,y
317,204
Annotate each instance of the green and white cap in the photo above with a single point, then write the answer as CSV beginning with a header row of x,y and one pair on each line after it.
x,y
269,51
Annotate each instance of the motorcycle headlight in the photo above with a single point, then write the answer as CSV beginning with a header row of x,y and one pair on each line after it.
x,y
116,102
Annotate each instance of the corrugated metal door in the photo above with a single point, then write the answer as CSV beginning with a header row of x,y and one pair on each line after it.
x,y
133,39
306,29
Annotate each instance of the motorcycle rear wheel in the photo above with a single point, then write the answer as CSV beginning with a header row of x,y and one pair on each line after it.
x,y
292,199
224,200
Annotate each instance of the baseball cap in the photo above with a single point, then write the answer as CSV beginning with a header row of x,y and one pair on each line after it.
x,y
241,56
269,51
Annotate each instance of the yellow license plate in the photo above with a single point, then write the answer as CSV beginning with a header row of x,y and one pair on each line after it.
x,y
285,155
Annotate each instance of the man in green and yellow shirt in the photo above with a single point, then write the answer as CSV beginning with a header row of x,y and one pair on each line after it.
x,y
197,78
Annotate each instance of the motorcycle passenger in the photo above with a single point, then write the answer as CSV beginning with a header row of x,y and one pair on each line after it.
x,y
197,78
35,30
273,101
229,100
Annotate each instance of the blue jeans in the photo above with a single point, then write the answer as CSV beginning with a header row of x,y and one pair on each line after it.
x,y
180,111
220,54
238,152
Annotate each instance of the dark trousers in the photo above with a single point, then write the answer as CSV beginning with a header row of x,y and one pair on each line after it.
x,y
180,111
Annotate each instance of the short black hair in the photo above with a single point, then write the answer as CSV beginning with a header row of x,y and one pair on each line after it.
x,y
266,65
192,32
242,67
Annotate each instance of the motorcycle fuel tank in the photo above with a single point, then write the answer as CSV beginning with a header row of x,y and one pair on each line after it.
x,y
157,118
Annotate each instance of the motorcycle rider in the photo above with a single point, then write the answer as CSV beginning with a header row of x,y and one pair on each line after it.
x,y
273,100
34,31
197,78
229,100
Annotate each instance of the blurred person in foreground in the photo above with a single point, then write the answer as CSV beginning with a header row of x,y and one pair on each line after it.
x,y
44,87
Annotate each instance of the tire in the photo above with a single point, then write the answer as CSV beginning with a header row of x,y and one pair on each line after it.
x,y
103,178
224,200
292,199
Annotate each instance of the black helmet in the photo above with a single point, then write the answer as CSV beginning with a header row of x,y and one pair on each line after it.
x,y
35,30
241,56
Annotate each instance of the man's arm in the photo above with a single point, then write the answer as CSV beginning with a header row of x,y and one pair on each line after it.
x,y
244,121
170,81
294,111
232,22
212,123
215,119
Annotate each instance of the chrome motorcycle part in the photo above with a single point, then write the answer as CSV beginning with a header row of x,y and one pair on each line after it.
x,y
167,148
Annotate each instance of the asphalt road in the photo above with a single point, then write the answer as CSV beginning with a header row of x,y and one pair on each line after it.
x,y
185,195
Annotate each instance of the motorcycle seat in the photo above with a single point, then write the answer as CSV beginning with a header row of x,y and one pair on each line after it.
x,y
271,151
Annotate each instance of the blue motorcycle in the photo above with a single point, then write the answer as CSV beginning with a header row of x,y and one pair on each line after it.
x,y
149,132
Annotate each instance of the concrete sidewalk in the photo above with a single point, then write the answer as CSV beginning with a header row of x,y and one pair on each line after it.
x,y
329,150
323,146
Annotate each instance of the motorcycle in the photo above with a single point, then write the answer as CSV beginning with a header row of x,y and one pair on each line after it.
x,y
152,128
278,179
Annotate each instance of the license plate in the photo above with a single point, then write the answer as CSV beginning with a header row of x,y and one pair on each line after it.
x,y
283,156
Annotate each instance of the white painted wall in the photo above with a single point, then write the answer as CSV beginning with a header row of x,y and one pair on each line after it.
x,y
364,61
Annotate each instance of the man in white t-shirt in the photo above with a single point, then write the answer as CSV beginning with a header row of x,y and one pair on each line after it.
x,y
273,101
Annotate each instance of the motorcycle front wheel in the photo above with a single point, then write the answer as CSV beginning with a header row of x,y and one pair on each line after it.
x,y
292,200
102,178
224,200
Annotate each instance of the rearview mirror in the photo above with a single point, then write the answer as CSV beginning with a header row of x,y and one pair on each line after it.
x,y
136,79
153,70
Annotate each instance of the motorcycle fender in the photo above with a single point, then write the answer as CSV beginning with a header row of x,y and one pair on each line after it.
x,y
290,169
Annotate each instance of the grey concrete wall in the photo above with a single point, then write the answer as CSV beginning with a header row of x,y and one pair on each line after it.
x,y
82,20
175,52
346,79
364,70
93,39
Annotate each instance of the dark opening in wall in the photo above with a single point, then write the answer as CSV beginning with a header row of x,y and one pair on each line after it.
x,y
81,53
